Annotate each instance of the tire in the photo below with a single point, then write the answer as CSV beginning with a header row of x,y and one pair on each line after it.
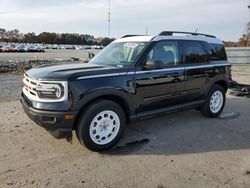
x,y
215,102
101,125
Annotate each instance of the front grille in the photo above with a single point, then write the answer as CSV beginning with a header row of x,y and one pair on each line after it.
x,y
27,100
28,86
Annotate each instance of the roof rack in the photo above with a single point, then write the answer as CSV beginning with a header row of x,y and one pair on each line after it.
x,y
125,36
170,33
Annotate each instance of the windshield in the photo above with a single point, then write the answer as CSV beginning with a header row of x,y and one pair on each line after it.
x,y
119,54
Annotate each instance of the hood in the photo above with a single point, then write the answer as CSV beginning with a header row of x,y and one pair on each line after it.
x,y
69,71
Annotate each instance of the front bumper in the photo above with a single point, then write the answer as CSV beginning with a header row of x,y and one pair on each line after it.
x,y
53,121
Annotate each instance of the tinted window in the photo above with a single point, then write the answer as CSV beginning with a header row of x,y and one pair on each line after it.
x,y
194,52
217,52
167,52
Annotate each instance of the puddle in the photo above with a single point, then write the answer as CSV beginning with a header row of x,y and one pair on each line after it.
x,y
128,147
230,115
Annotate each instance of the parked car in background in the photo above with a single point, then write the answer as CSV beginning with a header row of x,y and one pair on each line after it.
x,y
85,47
6,48
35,48
48,46
96,47
61,47
27,47
21,48
9,48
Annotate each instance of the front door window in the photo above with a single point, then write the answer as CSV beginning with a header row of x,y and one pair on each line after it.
x,y
165,52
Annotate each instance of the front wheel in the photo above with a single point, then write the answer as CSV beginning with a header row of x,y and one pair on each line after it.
x,y
101,125
215,102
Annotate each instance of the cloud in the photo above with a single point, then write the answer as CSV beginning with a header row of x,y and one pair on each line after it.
x,y
224,18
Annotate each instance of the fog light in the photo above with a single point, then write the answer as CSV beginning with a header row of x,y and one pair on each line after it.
x,y
48,119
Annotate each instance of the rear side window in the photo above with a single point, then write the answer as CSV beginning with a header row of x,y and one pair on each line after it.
x,y
217,52
193,52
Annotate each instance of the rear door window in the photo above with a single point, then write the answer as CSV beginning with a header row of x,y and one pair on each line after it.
x,y
193,52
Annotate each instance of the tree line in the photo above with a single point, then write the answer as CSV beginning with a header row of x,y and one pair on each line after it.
x,y
52,38
243,41
85,39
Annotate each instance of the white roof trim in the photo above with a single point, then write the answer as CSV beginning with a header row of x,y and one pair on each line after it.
x,y
135,39
162,37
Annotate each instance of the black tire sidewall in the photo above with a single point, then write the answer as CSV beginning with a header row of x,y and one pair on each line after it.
x,y
88,115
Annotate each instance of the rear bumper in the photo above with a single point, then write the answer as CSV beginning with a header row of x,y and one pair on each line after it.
x,y
53,121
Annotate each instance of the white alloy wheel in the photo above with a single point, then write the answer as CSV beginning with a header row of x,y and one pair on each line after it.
x,y
104,127
216,101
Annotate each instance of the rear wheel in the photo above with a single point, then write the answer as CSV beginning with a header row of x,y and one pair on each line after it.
x,y
101,125
215,102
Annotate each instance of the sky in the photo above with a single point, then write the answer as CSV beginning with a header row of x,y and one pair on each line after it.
x,y
226,19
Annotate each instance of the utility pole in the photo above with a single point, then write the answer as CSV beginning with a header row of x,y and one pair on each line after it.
x,y
109,19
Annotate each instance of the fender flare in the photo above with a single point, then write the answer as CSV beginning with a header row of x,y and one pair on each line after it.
x,y
127,101
219,78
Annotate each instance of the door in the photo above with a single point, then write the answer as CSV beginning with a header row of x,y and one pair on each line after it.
x,y
162,86
198,69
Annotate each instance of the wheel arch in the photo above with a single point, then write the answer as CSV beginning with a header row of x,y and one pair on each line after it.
x,y
222,81
118,97
223,84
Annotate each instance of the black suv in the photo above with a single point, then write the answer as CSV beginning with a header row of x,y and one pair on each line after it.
x,y
133,78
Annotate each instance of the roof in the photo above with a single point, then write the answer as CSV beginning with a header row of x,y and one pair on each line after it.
x,y
167,37
135,39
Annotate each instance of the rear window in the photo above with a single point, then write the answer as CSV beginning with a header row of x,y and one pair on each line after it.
x,y
217,52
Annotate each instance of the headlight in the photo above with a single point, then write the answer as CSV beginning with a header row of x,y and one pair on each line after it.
x,y
45,91
50,90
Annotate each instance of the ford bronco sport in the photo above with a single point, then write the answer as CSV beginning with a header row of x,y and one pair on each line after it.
x,y
133,78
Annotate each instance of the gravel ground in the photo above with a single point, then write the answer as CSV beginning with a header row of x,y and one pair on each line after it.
x,y
10,86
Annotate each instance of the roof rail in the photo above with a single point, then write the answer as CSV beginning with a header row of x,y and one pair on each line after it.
x,y
170,33
125,36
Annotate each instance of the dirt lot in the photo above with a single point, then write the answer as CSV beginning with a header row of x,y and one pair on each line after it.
x,y
178,150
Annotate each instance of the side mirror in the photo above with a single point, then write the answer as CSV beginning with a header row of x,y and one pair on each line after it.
x,y
153,64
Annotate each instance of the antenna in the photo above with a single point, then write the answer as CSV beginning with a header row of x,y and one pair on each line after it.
x,y
109,19
146,30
